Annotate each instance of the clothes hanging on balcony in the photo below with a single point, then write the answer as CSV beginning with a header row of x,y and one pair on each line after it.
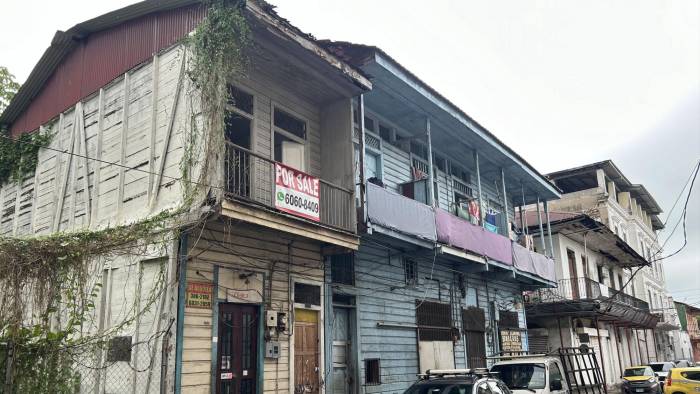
x,y
474,212
492,218
491,227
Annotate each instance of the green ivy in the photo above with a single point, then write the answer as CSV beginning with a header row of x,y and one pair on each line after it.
x,y
19,157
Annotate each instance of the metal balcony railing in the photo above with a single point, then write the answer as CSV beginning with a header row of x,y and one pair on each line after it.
x,y
250,176
583,289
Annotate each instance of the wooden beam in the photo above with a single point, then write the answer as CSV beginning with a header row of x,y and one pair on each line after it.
x,y
98,157
122,160
154,125
64,183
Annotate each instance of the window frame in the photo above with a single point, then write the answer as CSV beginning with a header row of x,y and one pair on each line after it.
x,y
378,381
274,129
228,107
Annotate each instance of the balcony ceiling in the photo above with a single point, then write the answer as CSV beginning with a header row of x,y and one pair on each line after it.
x,y
407,104
608,310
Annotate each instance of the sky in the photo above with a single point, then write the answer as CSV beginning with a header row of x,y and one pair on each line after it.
x,y
564,83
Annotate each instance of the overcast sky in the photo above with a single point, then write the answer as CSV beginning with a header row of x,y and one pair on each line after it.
x,y
563,83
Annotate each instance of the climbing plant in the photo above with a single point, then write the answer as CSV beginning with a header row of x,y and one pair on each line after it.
x,y
19,157
220,49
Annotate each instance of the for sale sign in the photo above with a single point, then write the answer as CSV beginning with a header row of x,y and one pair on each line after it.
x,y
296,192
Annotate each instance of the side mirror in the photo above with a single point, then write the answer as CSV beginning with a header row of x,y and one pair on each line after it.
x,y
555,385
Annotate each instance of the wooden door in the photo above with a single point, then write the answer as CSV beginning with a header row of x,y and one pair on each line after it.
x,y
342,351
306,352
573,273
236,370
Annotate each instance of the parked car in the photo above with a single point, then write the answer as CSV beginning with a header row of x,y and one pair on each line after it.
x,y
661,369
640,379
683,381
458,381
683,364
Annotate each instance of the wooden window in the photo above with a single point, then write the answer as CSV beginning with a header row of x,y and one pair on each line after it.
x,y
343,269
419,150
119,349
373,371
307,294
240,99
410,270
289,140
290,124
434,321
385,133
508,319
369,123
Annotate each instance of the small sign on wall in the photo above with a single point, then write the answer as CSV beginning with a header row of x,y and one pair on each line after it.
x,y
199,295
511,341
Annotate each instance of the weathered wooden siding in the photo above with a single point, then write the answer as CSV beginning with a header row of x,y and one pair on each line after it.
x,y
121,130
242,247
377,270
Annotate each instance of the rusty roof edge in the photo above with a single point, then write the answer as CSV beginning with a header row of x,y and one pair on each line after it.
x,y
63,42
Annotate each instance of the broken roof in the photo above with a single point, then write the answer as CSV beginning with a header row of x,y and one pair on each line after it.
x,y
64,42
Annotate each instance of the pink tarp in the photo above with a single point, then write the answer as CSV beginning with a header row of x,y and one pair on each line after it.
x,y
457,232
532,262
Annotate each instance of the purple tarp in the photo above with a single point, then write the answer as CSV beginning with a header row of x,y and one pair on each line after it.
x,y
457,232
534,263
398,213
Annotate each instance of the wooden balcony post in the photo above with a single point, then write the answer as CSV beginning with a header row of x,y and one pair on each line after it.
x,y
539,222
506,230
549,229
361,149
478,187
431,186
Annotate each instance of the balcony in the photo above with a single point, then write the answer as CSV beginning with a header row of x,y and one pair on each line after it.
x,y
251,178
576,289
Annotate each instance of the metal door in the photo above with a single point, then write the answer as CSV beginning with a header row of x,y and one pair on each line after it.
x,y
306,351
476,349
236,370
342,351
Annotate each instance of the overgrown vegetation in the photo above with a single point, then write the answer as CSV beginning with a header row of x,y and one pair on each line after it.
x,y
51,284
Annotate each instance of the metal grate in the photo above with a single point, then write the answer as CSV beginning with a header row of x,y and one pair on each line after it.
x,y
473,319
410,270
434,321
343,269
307,294
373,374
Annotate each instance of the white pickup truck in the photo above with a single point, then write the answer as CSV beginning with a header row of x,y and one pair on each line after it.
x,y
568,371
532,374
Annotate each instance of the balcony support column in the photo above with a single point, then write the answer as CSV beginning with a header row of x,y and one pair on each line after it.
x,y
549,229
506,229
600,347
431,174
523,217
478,187
617,347
646,345
539,222
639,346
361,149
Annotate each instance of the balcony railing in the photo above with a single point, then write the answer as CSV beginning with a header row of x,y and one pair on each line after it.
x,y
250,176
576,289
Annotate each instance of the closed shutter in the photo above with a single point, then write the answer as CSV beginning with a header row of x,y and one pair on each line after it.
x,y
539,344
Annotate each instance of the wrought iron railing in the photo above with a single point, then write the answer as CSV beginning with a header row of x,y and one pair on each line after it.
x,y
250,176
583,289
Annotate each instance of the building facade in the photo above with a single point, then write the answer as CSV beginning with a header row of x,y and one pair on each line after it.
x,y
344,229
689,338
601,191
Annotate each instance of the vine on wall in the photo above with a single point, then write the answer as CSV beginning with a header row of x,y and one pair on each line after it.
x,y
18,159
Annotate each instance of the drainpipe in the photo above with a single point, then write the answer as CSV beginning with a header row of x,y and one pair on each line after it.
x,y
182,284
506,230
539,222
361,149
549,229
431,190
478,187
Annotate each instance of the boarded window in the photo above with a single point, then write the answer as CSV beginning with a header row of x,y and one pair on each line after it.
x,y
410,270
119,349
372,371
342,269
434,321
508,319
307,294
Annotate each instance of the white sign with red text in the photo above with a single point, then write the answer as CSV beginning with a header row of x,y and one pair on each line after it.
x,y
296,192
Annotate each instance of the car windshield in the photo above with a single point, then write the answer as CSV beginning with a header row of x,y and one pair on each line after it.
x,y
659,367
521,376
440,388
636,372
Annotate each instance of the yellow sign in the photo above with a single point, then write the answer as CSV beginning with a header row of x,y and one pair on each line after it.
x,y
199,295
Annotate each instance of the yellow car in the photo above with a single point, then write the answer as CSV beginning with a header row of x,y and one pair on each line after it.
x,y
640,379
683,381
